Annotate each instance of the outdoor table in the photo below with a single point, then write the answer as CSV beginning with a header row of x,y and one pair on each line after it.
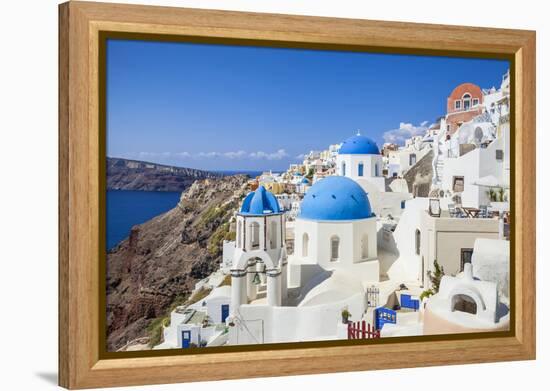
x,y
472,212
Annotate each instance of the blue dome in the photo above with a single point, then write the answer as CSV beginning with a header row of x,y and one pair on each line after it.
x,y
335,198
359,145
260,202
305,181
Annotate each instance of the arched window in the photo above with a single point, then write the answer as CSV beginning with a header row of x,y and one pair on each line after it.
x,y
239,234
255,228
365,246
360,169
343,168
466,101
417,242
376,171
273,234
305,244
464,303
334,248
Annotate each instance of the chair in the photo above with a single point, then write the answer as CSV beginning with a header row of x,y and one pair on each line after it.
x,y
483,211
452,210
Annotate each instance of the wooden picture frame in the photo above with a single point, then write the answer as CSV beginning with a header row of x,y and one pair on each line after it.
x,y
81,25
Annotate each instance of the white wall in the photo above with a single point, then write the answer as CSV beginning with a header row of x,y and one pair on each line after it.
x,y
286,324
473,165
350,234
36,66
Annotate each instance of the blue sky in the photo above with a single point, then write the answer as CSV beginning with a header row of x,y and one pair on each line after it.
x,y
248,108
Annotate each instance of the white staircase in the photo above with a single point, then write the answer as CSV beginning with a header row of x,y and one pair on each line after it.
x,y
439,149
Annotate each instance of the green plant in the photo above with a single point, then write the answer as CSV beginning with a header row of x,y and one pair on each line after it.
x,y
346,315
226,280
436,276
199,295
215,242
155,331
497,194
426,293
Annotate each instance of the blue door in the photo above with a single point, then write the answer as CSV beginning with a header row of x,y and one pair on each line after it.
x,y
185,338
225,312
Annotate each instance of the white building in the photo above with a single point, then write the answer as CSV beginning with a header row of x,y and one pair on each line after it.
x,y
400,161
359,159
465,304
335,258
336,229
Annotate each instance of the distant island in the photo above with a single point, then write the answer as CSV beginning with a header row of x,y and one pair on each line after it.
x,y
124,174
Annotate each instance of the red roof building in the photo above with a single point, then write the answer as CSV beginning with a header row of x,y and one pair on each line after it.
x,y
464,103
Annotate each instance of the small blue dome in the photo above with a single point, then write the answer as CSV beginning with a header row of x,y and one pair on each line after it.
x,y
260,202
305,181
359,145
335,198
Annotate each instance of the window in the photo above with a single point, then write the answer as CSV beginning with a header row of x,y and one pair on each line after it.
x,y
255,228
402,204
412,159
239,234
273,234
360,169
458,184
365,247
475,102
499,154
466,101
458,104
465,257
376,172
417,242
305,244
334,248
343,168
464,303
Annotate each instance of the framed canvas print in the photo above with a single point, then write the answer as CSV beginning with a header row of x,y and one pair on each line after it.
x,y
275,194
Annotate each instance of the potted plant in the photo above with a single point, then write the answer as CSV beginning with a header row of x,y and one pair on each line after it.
x,y
346,315
498,199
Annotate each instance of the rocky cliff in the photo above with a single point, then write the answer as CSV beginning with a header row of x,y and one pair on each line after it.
x,y
123,174
162,259
419,176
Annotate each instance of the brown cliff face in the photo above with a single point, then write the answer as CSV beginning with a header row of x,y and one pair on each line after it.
x,y
419,176
124,174
162,259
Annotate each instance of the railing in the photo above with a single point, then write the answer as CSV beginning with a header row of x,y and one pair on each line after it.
x,y
362,330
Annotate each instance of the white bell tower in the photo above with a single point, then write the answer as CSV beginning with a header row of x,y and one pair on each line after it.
x,y
260,252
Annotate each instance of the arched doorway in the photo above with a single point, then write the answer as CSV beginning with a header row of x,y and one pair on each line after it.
x,y
464,303
417,242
